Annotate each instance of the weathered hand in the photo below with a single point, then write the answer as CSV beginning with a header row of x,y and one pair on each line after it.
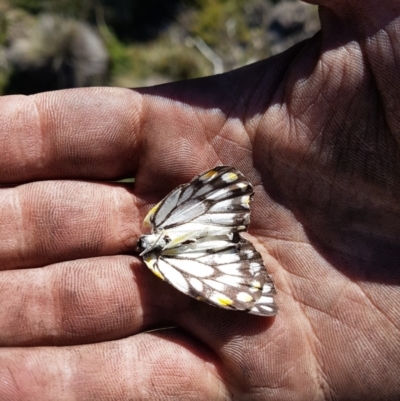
x,y
316,130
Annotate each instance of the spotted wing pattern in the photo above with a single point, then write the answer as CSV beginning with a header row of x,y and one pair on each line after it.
x,y
195,243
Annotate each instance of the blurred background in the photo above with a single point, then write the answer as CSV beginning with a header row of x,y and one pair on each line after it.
x,y
56,44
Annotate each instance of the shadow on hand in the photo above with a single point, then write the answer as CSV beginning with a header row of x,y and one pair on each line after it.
x,y
347,193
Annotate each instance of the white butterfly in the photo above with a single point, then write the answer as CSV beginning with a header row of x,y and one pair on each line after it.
x,y
196,247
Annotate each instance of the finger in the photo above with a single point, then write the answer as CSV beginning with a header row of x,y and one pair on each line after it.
x,y
81,301
105,133
76,133
52,221
164,365
106,298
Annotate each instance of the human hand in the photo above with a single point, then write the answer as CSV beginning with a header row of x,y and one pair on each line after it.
x,y
316,130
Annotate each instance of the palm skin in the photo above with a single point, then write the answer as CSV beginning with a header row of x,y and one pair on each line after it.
x,y
316,130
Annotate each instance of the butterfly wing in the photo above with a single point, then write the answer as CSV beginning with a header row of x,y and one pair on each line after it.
x,y
222,191
204,256
226,273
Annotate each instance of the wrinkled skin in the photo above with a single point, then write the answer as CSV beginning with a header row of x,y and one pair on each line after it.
x,y
316,130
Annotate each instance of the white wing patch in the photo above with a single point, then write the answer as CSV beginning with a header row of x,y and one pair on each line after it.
x,y
195,243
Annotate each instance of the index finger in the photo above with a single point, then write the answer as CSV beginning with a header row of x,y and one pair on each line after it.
x,y
85,133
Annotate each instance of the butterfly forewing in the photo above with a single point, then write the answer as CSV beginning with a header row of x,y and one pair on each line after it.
x,y
195,245
194,200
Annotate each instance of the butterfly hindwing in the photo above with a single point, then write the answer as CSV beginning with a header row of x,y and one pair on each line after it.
x,y
196,246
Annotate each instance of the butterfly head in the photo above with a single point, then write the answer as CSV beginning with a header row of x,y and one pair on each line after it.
x,y
154,243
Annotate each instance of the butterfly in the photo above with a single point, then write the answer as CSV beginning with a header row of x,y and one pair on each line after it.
x,y
195,243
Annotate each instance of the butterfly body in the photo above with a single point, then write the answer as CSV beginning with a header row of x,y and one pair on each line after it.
x,y
195,243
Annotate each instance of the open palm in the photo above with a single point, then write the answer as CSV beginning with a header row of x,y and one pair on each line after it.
x,y
316,131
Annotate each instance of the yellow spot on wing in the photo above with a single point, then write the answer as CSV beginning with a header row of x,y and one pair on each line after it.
x,y
158,274
150,261
207,176
224,301
147,222
229,177
246,200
